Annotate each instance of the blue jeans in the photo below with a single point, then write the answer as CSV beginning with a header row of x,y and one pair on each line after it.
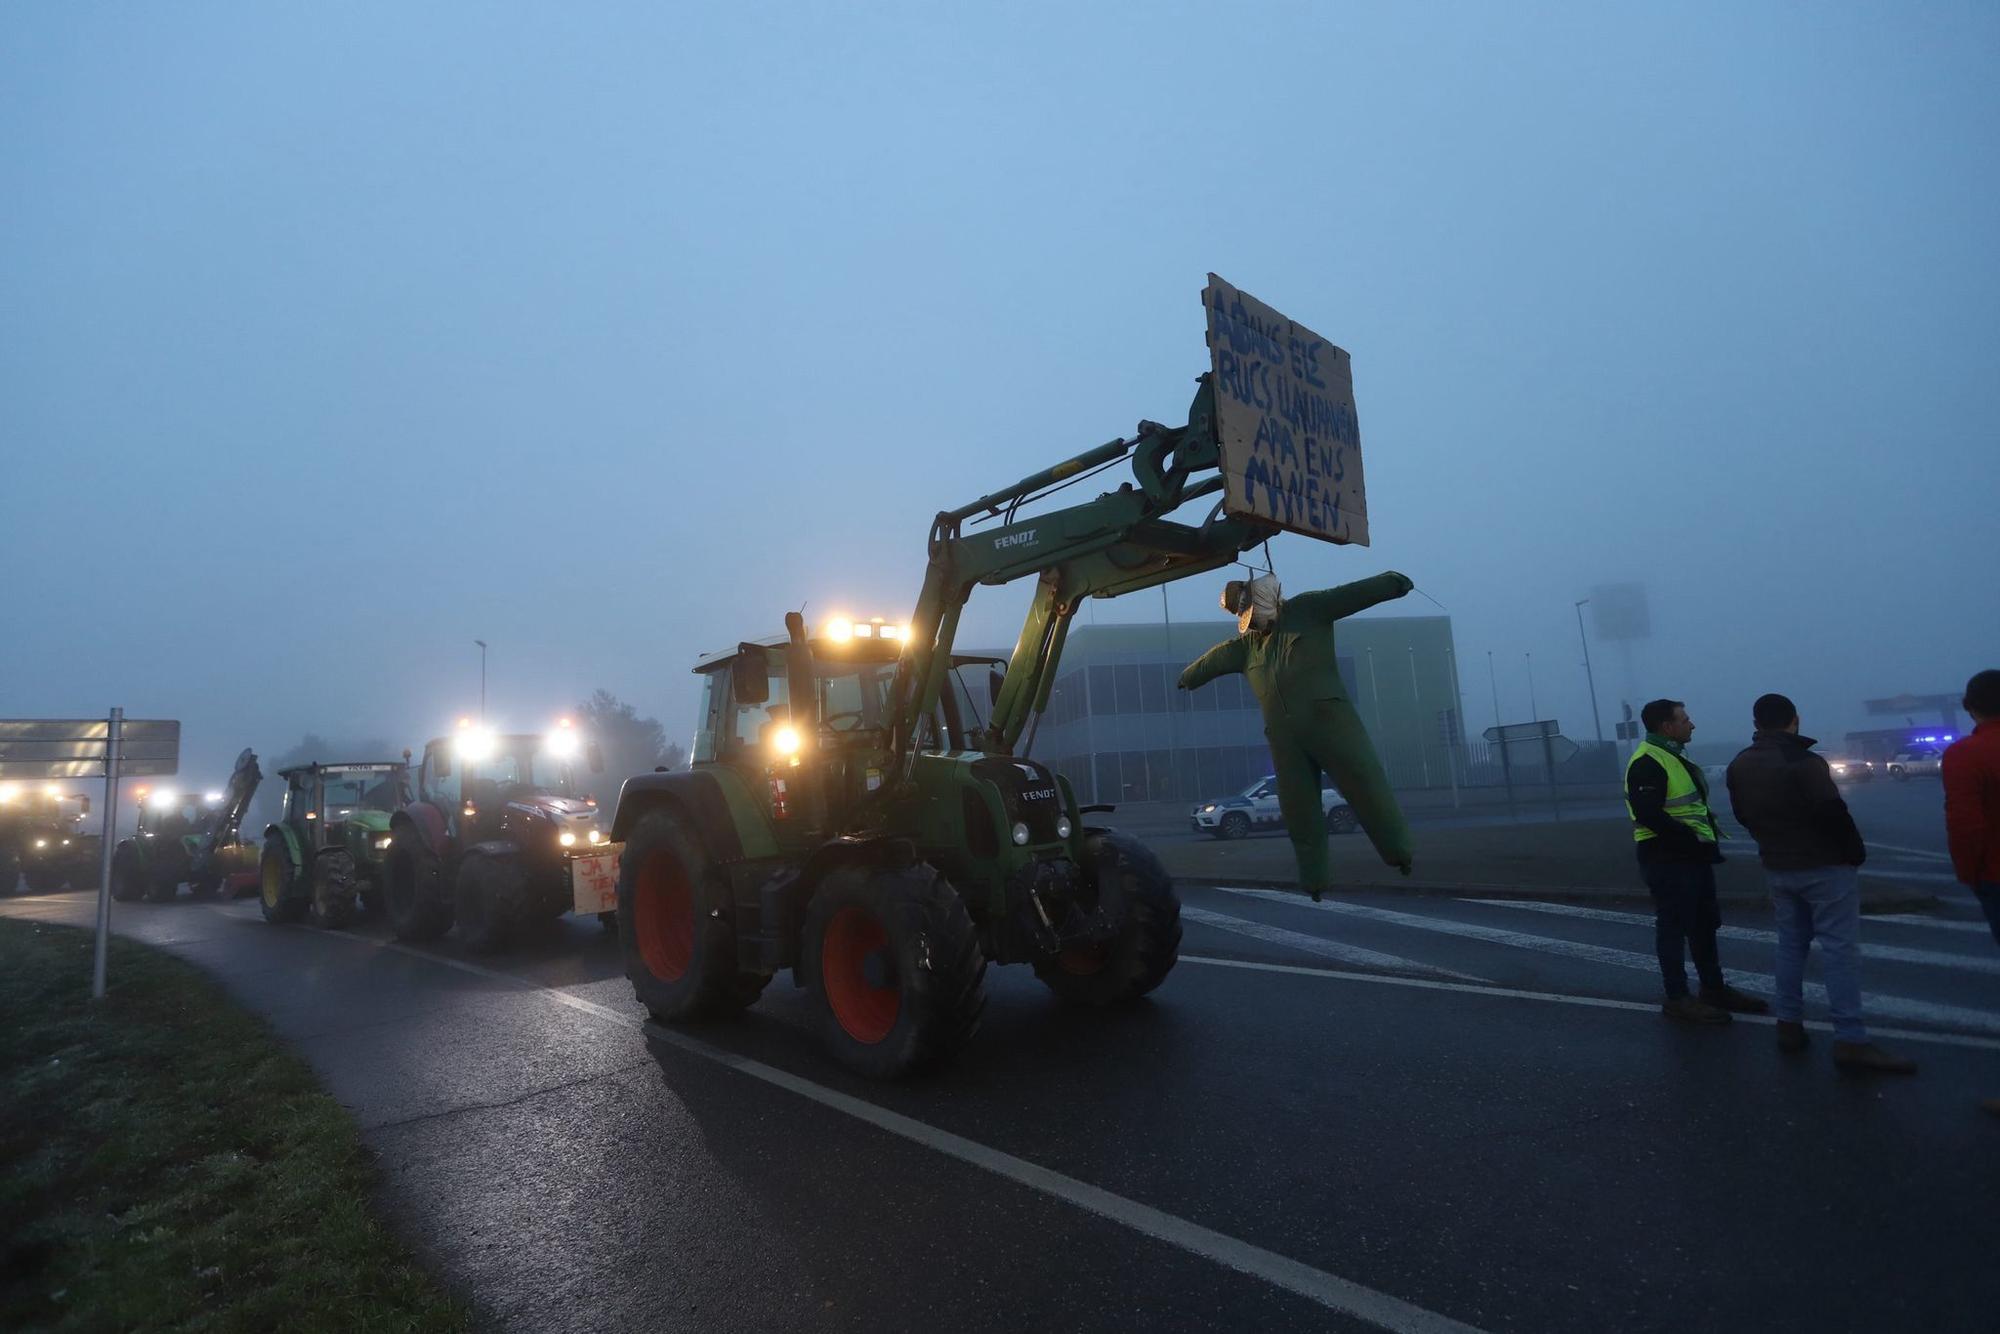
x,y
1824,902
1989,899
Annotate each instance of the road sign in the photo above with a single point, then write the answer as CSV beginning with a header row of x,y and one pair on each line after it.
x,y
75,747
1522,731
1629,731
1284,413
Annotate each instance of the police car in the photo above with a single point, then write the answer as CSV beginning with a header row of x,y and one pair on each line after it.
x,y
1256,807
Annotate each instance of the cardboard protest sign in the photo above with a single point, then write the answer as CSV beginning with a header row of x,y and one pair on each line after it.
x,y
1284,403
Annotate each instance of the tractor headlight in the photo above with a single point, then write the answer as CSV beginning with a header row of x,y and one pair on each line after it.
x,y
41,843
562,743
1063,826
475,744
567,838
597,836
1020,834
785,740
382,843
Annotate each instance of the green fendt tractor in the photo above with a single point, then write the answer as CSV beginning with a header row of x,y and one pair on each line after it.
x,y
323,858
843,818
185,838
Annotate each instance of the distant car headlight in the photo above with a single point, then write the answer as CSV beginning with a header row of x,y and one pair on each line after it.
x,y
1209,807
1020,834
1063,826
566,838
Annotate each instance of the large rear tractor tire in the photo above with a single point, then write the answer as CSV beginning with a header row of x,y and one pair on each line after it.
x,y
277,895
164,886
334,903
491,900
893,959
128,875
1148,943
413,890
676,932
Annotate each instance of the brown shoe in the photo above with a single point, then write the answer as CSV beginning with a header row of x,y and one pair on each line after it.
x,y
1791,1036
1693,1010
1729,998
1868,1056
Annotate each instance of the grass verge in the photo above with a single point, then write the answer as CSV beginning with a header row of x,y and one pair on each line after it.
x,y
166,1163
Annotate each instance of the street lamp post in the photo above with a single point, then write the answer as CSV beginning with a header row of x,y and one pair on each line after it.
x,y
1534,713
1588,675
482,678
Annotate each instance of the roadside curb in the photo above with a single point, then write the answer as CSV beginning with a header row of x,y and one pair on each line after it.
x,y
1872,900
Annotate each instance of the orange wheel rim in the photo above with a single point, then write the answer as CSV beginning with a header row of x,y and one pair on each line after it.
x,y
866,1012
1082,961
663,909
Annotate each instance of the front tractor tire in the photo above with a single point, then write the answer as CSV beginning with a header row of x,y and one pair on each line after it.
x,y
893,960
334,901
42,877
676,932
128,875
491,900
1148,941
413,889
276,894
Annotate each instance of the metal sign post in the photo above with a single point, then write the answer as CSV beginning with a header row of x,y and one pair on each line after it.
x,y
114,736
46,748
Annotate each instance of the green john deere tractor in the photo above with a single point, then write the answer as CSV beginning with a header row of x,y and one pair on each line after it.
x,y
323,858
43,839
846,819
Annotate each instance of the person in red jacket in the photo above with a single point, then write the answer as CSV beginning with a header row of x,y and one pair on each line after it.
x,y
1972,803
1972,796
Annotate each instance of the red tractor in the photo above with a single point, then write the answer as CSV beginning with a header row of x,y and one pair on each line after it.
x,y
496,834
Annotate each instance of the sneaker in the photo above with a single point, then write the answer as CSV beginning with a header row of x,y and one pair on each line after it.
x,y
1693,1010
1868,1056
1791,1036
1729,998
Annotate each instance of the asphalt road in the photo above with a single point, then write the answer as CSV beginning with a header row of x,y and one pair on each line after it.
x,y
1389,1113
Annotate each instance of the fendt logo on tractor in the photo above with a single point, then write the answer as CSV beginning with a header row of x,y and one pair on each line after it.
x,y
1020,539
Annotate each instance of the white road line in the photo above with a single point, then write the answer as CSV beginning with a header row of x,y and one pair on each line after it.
x,y
1940,923
1926,853
1329,1290
1895,1007
1558,998
1921,877
1324,948
1970,963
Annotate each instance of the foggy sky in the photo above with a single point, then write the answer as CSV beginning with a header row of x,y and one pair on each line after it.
x,y
338,337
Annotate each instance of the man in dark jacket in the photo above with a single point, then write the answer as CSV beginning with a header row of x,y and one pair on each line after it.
x,y
1678,847
1785,796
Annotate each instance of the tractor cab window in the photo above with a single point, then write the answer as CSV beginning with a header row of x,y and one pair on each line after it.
x,y
714,698
854,697
522,765
344,794
750,725
439,777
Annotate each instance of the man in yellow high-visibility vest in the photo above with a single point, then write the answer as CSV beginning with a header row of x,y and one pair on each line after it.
x,y
1678,848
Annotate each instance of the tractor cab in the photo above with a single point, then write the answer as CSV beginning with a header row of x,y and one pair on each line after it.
x,y
483,780
343,805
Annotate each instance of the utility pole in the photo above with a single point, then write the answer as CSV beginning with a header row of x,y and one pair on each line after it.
x,y
1493,679
1534,712
482,679
1588,675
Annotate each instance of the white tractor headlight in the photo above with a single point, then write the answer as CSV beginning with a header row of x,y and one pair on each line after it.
x,y
1020,834
566,838
1063,826
562,744
382,843
597,836
41,843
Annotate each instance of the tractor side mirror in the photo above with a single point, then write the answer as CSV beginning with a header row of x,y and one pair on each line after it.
x,y
750,674
593,755
995,678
